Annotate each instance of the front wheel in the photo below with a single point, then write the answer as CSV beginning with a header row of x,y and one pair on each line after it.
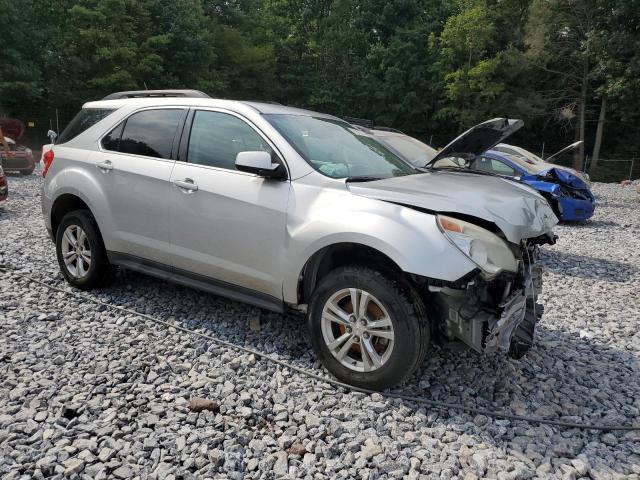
x,y
368,329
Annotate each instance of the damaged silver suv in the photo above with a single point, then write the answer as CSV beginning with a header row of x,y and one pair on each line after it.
x,y
286,208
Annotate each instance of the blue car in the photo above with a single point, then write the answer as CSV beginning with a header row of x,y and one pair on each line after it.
x,y
566,190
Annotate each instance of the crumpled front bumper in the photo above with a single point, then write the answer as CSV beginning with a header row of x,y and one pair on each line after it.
x,y
507,327
514,309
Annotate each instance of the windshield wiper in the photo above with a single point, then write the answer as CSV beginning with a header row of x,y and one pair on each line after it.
x,y
364,178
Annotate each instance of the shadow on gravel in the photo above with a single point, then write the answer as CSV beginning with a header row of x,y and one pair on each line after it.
x,y
591,224
631,203
563,376
583,266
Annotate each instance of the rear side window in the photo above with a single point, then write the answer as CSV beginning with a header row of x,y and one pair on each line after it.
x,y
149,133
216,138
85,118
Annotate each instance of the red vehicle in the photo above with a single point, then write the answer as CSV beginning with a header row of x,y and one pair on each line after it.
x,y
4,188
14,157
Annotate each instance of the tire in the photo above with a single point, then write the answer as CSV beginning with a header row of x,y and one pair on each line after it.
x,y
99,271
388,298
27,172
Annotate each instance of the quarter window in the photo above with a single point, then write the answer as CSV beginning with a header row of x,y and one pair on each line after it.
x,y
85,118
216,138
111,141
149,133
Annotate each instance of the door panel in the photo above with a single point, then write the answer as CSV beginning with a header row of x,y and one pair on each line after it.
x,y
134,172
225,224
137,190
232,228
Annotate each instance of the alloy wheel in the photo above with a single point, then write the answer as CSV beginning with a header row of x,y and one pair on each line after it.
x,y
76,251
357,330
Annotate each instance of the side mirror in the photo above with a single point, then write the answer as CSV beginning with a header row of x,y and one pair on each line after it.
x,y
52,136
259,163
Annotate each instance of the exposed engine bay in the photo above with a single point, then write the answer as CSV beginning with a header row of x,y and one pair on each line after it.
x,y
491,315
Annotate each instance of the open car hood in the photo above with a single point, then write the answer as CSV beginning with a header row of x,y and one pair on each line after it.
x,y
516,209
566,149
479,139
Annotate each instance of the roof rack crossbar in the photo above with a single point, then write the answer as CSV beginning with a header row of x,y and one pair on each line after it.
x,y
156,93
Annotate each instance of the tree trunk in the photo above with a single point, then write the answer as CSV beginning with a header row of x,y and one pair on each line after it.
x,y
578,159
598,143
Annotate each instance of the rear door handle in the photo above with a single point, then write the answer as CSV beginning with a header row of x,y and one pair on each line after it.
x,y
105,166
186,184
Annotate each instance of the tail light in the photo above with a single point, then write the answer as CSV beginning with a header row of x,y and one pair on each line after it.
x,y
47,158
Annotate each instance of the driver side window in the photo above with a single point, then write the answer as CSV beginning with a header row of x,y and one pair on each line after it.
x,y
216,138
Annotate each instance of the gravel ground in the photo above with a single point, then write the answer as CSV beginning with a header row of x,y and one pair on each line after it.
x,y
92,393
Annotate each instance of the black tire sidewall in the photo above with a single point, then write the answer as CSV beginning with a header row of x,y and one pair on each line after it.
x,y
99,262
409,335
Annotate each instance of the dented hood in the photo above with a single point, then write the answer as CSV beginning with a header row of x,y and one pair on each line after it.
x,y
479,139
517,210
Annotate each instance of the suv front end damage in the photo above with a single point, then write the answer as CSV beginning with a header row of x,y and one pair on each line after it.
x,y
492,314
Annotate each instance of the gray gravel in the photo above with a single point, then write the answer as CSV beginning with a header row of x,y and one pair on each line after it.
x,y
87,392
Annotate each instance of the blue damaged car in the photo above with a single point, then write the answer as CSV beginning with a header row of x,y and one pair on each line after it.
x,y
566,190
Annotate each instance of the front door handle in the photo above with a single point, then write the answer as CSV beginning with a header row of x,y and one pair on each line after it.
x,y
186,184
105,166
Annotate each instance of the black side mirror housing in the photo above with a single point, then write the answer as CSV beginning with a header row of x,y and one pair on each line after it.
x,y
259,163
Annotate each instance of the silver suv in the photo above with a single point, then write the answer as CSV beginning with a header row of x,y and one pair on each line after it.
x,y
290,209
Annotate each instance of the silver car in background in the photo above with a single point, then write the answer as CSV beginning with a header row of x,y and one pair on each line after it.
x,y
291,209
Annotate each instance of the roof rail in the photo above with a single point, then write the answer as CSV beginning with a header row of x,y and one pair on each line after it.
x,y
387,129
156,93
359,121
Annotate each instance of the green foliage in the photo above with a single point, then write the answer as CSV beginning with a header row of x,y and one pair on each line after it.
x,y
428,67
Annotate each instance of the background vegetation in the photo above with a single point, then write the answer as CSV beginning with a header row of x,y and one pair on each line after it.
x,y
431,68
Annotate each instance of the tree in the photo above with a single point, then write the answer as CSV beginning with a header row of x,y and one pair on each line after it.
x,y
557,34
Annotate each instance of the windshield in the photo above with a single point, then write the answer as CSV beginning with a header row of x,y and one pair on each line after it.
x,y
411,149
530,166
518,151
336,149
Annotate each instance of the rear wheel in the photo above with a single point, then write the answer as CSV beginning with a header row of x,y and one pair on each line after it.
x,y
80,251
367,329
27,172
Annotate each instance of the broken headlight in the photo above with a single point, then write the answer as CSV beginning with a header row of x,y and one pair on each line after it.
x,y
484,248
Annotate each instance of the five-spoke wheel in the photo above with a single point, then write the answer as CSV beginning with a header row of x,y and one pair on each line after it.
x,y
369,329
76,251
357,329
80,250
